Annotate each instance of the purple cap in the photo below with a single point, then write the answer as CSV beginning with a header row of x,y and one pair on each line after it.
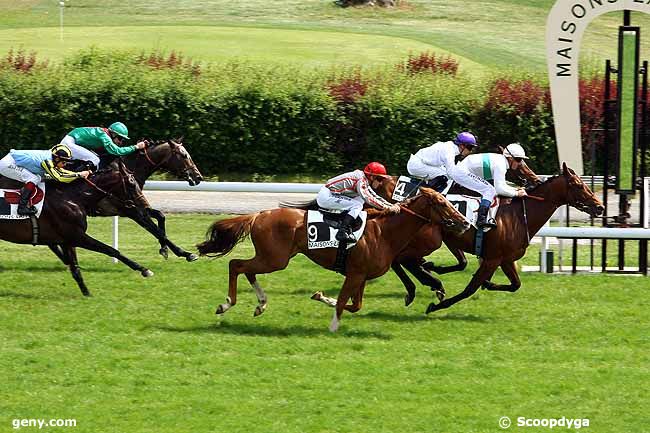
x,y
466,138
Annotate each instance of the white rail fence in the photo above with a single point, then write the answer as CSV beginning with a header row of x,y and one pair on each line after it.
x,y
288,188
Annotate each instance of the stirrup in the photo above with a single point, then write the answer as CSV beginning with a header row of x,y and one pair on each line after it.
x,y
26,210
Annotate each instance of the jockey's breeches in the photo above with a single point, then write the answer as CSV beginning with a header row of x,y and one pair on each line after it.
x,y
8,168
327,200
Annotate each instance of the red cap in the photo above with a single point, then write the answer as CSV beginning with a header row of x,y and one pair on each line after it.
x,y
375,168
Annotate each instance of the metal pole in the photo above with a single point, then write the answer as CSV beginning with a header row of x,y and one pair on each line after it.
x,y
61,7
116,235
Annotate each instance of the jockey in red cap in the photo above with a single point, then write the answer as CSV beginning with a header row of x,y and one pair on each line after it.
x,y
349,192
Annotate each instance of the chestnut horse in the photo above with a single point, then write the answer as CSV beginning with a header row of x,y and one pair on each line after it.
x,y
420,268
63,221
280,234
517,223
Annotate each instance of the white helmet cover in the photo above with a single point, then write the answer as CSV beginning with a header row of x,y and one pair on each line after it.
x,y
514,150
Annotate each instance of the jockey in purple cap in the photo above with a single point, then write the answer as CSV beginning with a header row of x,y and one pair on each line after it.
x,y
436,163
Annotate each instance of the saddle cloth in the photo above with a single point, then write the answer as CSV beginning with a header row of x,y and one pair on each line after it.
x,y
466,204
9,199
321,233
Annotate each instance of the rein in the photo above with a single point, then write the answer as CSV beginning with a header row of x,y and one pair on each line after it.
x,y
415,214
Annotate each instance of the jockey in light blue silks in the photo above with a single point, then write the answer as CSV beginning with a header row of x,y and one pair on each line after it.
x,y
29,166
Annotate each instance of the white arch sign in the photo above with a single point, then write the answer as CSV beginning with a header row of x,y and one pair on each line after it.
x,y
565,26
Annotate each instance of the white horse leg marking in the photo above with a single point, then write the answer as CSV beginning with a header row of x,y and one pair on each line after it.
x,y
261,298
334,325
222,308
319,296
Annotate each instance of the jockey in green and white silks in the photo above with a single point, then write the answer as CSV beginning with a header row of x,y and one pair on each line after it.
x,y
493,166
29,166
86,142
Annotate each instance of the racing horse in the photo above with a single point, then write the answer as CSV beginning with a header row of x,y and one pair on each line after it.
x,y
517,223
417,265
63,219
280,234
170,156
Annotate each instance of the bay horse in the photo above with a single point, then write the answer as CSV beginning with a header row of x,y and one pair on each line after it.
x,y
63,222
280,234
418,266
517,223
167,155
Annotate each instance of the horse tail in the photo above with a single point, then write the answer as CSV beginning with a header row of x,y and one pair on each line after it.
x,y
304,205
223,235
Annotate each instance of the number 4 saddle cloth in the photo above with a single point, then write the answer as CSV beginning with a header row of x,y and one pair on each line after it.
x,y
10,197
322,229
464,200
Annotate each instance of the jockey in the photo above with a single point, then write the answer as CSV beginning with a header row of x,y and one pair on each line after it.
x,y
436,163
348,193
493,166
84,142
29,166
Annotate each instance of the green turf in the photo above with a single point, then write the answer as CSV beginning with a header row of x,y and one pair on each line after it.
x,y
149,355
497,34
627,86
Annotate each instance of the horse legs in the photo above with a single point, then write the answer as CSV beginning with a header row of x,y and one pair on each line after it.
x,y
396,266
164,240
353,285
510,270
416,267
251,268
92,244
460,266
70,253
483,273
58,250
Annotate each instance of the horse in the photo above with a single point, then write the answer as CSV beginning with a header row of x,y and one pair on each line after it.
x,y
428,241
63,219
517,223
280,234
171,156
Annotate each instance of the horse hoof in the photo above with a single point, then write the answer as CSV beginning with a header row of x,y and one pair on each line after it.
x,y
317,296
431,308
259,310
440,294
220,310
164,252
192,257
408,300
147,273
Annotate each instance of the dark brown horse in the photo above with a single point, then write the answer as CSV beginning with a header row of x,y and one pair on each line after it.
x,y
63,219
170,156
280,234
167,156
517,223
420,268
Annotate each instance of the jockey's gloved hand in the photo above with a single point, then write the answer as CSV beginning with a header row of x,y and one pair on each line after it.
x,y
142,144
395,209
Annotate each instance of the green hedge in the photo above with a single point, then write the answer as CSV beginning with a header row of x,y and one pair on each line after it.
x,y
241,118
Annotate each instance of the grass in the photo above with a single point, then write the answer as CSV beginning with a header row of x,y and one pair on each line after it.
x,y
487,35
150,356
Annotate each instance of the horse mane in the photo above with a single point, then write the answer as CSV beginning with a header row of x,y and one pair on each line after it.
x,y
539,185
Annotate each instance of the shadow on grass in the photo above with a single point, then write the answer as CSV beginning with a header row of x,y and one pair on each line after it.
x,y
397,317
53,295
109,268
268,330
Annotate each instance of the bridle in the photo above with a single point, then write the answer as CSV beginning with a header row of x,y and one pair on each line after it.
x,y
130,202
174,150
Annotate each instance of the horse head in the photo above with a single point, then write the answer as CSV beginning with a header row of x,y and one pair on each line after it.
x,y
118,182
439,209
523,175
579,195
172,156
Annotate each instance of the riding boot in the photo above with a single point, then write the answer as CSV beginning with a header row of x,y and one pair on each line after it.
x,y
345,229
23,204
482,219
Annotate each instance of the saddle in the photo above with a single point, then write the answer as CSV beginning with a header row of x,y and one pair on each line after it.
x,y
333,219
